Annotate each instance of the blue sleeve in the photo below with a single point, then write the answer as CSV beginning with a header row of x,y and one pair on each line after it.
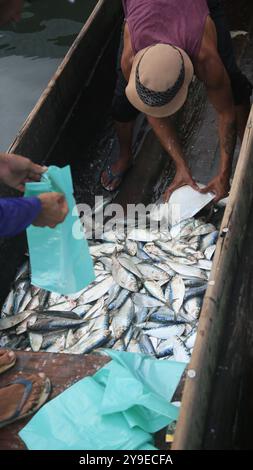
x,y
16,214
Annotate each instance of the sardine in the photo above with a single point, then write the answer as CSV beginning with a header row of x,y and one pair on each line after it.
x,y
123,277
187,271
143,300
94,341
166,332
131,247
180,352
209,240
174,293
152,272
126,262
122,319
36,341
10,322
119,301
97,291
209,252
143,235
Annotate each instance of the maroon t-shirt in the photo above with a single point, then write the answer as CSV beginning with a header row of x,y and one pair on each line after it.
x,y
177,22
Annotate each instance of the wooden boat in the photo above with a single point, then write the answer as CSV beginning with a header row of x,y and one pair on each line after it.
x,y
76,91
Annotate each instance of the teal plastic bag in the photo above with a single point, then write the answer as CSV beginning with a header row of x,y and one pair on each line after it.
x,y
82,417
60,262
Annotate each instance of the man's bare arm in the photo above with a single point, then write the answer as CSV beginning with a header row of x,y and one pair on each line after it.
x,y
166,133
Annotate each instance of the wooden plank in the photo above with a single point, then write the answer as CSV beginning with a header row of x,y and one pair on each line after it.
x,y
196,396
62,369
231,396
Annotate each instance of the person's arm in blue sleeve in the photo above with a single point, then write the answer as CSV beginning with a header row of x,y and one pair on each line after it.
x,y
16,214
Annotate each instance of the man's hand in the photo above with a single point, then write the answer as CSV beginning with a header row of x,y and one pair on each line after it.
x,y
53,212
219,186
183,177
15,171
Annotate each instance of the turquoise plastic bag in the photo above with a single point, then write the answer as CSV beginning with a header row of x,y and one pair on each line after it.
x,y
60,262
117,409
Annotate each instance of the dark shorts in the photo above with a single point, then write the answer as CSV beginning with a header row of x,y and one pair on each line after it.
x,y
123,111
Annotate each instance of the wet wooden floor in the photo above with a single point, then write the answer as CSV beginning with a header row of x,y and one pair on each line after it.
x,y
62,369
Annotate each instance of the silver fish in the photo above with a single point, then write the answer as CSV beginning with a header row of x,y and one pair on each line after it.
x,y
123,277
128,336
143,235
177,230
34,303
119,301
107,262
165,348
174,293
166,332
119,345
187,271
10,322
126,262
180,352
195,292
36,341
163,315
134,346
193,307
131,247
190,340
97,291
58,345
165,267
122,319
22,327
152,272
55,298
43,297
7,308
209,240
146,346
66,306
209,251
140,314
155,290
113,293
143,300
154,252
94,341
104,249
23,272
81,310
205,264
203,230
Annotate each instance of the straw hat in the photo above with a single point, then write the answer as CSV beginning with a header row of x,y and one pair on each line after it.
x,y
159,80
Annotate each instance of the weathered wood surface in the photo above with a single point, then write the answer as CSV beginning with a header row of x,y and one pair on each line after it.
x,y
193,415
230,414
62,369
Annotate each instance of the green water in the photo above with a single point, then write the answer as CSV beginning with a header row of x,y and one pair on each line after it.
x,y
30,52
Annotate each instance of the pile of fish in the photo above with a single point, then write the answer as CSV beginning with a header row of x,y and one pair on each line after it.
x,y
147,297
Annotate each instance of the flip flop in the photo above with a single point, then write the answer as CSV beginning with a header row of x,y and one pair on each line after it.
x,y
17,415
112,177
7,366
